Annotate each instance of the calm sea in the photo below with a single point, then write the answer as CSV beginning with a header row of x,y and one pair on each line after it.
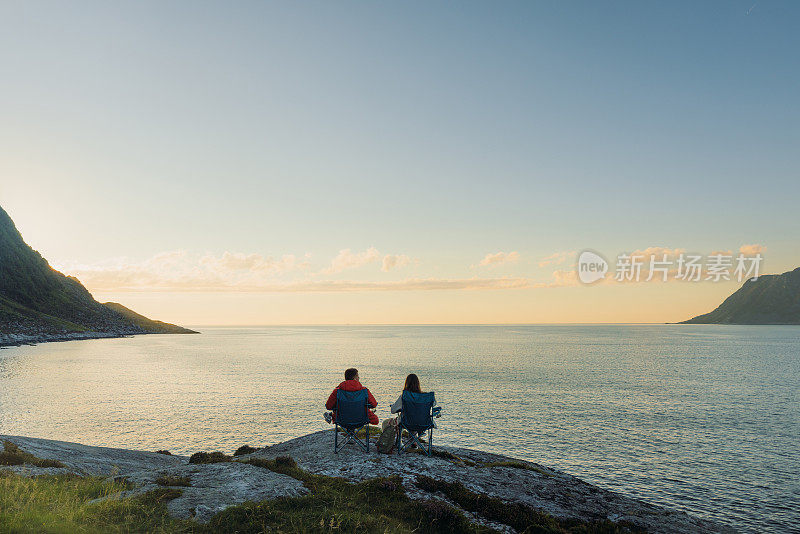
x,y
701,418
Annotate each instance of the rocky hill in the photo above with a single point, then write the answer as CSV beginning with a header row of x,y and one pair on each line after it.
x,y
769,299
38,303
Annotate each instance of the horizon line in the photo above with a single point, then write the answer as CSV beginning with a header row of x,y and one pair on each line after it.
x,y
470,324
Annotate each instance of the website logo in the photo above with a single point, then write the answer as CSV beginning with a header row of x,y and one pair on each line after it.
x,y
591,267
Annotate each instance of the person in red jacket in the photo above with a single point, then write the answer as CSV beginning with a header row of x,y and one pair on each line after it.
x,y
351,383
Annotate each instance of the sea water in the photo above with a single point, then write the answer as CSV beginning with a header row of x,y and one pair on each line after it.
x,y
701,418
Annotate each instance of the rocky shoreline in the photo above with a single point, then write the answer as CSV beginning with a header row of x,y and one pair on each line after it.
x,y
16,340
210,488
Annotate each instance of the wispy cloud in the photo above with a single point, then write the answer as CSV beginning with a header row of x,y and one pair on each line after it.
x,y
394,261
499,258
229,261
232,271
658,252
347,259
137,278
562,278
752,250
728,252
181,271
557,258
410,284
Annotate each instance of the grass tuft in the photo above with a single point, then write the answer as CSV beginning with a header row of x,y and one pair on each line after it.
x,y
439,453
160,496
63,503
518,465
172,480
209,457
282,464
244,449
13,455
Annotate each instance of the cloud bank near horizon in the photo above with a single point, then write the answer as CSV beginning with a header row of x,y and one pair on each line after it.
x,y
181,271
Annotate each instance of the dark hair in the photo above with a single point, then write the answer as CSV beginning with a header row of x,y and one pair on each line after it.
x,y
351,374
412,384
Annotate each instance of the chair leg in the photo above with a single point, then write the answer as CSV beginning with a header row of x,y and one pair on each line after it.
x,y
415,439
350,436
364,447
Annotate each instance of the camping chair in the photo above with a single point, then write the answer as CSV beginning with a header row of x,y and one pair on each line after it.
x,y
351,415
416,417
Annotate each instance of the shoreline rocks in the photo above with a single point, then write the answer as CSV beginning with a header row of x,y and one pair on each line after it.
x,y
16,340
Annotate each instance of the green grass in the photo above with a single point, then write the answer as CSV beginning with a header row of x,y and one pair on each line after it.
x,y
61,504
518,465
378,505
209,458
516,515
244,449
171,480
443,454
13,455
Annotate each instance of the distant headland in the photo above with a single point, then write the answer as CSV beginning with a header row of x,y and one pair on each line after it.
x,y
39,304
769,299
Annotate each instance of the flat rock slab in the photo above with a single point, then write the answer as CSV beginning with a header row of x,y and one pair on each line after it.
x,y
215,487
552,491
96,461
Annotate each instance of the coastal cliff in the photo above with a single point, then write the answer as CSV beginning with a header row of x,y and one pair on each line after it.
x,y
38,303
768,299
301,485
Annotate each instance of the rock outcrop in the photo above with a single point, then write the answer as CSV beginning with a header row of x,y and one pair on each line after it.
x,y
214,487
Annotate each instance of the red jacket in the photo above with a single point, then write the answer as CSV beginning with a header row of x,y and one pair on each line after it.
x,y
354,385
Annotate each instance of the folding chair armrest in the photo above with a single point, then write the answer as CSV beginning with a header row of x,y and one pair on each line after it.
x,y
436,411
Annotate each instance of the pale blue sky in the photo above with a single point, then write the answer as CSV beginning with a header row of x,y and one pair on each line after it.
x,y
442,131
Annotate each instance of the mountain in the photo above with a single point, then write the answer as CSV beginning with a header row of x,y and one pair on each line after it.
x,y
769,299
38,303
152,327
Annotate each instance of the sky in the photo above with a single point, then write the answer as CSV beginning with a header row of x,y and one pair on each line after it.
x,y
405,162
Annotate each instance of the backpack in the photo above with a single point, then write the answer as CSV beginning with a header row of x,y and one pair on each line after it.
x,y
387,440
